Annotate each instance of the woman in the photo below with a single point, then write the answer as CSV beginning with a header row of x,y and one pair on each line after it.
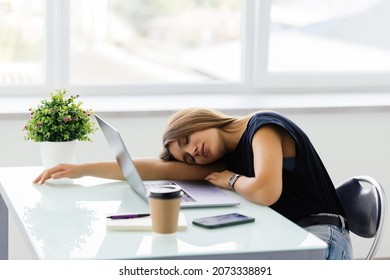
x,y
264,157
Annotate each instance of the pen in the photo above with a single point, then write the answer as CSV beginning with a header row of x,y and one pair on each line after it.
x,y
127,216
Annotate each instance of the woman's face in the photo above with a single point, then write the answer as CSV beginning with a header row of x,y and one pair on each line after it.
x,y
202,147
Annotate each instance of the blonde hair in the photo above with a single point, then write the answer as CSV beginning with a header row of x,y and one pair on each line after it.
x,y
188,121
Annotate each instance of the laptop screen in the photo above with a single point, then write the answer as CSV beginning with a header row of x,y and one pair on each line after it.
x,y
122,156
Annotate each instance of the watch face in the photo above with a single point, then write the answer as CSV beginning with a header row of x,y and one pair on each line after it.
x,y
233,179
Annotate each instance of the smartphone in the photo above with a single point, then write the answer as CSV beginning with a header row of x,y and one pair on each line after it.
x,y
223,220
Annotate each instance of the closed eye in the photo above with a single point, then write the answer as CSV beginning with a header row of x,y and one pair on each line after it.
x,y
183,141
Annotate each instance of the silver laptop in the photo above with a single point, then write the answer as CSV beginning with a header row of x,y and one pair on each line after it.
x,y
195,193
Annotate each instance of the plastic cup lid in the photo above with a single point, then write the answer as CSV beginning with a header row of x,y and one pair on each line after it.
x,y
165,192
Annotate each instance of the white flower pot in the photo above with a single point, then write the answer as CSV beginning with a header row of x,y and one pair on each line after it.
x,y
53,153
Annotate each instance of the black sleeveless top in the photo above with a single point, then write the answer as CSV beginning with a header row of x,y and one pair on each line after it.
x,y
307,187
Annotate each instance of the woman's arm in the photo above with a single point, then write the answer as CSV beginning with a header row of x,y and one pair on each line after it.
x,y
157,169
148,168
266,187
109,170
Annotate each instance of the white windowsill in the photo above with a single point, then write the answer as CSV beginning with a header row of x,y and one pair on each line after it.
x,y
162,105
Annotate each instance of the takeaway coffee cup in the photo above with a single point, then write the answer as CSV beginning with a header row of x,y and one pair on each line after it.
x,y
164,204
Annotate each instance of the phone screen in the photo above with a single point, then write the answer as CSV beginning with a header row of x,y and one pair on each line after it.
x,y
223,220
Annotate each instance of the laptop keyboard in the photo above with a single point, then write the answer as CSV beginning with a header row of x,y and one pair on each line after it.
x,y
186,197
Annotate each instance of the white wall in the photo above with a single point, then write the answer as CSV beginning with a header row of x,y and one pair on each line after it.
x,y
350,142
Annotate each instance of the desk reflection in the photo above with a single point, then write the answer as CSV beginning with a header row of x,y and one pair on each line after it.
x,y
59,233
65,220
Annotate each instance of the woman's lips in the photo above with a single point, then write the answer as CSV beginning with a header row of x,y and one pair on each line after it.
x,y
204,153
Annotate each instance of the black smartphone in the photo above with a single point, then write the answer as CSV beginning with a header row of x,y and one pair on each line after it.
x,y
223,220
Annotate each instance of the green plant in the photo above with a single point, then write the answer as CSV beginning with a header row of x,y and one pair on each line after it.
x,y
59,119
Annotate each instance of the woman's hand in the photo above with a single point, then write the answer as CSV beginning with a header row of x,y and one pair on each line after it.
x,y
220,179
60,171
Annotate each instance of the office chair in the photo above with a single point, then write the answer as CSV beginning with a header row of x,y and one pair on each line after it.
x,y
365,208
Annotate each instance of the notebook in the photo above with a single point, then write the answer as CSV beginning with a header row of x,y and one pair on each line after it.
x,y
195,193
139,224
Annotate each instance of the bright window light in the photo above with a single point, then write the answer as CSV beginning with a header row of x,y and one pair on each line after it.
x,y
21,42
329,36
159,41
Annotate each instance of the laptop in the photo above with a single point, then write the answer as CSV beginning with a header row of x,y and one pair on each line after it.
x,y
195,193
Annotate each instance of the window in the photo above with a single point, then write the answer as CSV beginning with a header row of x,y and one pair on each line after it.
x,y
325,44
116,41
21,42
193,46
329,36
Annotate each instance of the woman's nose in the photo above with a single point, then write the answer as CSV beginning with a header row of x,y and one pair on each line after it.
x,y
193,150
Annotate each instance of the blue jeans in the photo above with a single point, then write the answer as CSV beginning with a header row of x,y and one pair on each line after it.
x,y
338,240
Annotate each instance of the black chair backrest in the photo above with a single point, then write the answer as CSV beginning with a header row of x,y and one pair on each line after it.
x,y
362,207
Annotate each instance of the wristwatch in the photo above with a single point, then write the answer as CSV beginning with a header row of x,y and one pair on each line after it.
x,y
233,180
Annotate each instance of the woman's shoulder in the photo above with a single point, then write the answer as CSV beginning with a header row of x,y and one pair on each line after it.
x,y
263,118
266,117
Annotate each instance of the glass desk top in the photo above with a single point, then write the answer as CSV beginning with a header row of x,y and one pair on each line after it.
x,y
66,220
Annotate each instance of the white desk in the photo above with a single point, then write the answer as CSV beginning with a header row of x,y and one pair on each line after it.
x,y
68,222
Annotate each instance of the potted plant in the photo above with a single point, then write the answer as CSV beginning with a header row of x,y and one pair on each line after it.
x,y
57,123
